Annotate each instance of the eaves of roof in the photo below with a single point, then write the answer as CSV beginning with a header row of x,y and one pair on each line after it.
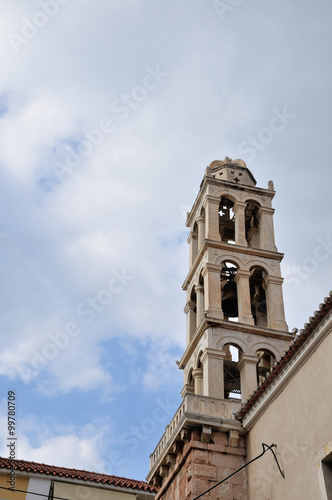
x,y
64,472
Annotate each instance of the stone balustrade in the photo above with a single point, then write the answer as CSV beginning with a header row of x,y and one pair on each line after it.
x,y
194,410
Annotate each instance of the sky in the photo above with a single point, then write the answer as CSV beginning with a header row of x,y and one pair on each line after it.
x,y
110,112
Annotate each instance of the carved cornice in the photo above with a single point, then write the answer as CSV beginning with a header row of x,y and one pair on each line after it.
x,y
212,181
231,326
236,249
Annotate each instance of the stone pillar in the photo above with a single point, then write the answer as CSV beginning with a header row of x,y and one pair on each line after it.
x,y
201,231
213,370
212,218
243,297
275,304
193,248
240,226
198,381
212,291
266,229
200,304
191,320
248,374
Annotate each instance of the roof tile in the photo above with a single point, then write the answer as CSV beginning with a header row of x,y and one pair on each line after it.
x,y
27,466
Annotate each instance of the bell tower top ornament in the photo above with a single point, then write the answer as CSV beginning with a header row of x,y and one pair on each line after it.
x,y
232,171
228,161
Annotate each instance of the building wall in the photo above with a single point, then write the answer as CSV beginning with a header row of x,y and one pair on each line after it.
x,y
78,492
21,483
299,422
38,485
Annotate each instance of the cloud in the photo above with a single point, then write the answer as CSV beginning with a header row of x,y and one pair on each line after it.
x,y
121,202
65,446
160,360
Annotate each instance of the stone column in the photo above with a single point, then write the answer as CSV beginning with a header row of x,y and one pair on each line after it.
x,y
193,248
191,320
198,381
243,297
212,218
275,304
213,370
201,231
248,374
200,304
212,291
240,226
266,229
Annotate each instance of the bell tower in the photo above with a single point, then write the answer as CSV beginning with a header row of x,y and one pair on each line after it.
x,y
235,329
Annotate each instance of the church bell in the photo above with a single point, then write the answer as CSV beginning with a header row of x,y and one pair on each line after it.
x,y
229,300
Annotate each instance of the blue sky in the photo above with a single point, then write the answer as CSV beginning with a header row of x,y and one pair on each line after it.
x,y
109,113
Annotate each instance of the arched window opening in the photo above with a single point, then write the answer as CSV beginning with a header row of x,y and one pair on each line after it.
x,y
201,228
258,297
227,220
194,243
193,314
198,376
229,302
191,380
201,280
193,299
252,224
232,382
199,290
265,361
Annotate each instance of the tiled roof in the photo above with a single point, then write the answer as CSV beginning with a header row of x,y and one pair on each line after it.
x,y
52,470
294,346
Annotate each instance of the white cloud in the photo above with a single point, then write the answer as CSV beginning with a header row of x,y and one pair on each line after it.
x,y
65,446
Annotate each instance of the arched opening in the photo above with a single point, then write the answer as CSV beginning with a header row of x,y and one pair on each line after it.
x,y
232,382
252,224
199,290
227,220
258,297
201,279
229,300
193,314
198,376
190,381
194,243
201,228
265,361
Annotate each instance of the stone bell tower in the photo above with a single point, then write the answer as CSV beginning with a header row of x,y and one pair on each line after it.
x,y
235,330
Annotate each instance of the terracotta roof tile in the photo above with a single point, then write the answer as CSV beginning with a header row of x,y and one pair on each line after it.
x,y
287,355
26,466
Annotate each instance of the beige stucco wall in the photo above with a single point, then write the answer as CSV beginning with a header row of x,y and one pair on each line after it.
x,y
21,483
299,421
78,492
